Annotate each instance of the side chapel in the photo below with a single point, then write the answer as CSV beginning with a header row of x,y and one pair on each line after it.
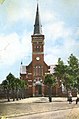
x,y
35,72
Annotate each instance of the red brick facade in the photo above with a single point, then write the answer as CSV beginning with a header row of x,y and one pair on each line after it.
x,y
36,70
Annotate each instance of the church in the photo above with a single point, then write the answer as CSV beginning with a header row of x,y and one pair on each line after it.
x,y
35,72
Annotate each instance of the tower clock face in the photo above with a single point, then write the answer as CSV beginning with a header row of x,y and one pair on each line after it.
x,y
37,58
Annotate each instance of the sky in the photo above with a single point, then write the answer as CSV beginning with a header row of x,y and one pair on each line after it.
x,y
60,25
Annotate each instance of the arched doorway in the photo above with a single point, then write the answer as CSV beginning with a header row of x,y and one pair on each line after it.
x,y
38,88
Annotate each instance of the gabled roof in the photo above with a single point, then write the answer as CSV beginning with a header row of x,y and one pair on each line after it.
x,y
23,70
37,26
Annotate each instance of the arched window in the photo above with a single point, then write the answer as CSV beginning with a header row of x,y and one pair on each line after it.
x,y
38,70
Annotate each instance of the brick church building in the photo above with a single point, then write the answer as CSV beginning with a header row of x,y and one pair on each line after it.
x,y
35,72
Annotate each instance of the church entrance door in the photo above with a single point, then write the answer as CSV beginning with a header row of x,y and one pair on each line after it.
x,y
38,90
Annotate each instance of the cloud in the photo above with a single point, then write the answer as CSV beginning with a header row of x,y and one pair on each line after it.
x,y
58,35
21,13
56,17
16,10
12,48
60,40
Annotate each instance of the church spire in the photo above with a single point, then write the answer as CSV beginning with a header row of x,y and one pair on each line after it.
x,y
37,26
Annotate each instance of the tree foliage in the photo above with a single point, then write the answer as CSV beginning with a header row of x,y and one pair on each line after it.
x,y
49,80
60,69
14,87
73,64
68,74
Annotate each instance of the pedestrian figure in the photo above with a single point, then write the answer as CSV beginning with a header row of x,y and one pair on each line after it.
x,y
77,100
50,99
70,98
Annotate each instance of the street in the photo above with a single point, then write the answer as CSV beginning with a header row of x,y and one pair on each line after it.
x,y
39,108
59,114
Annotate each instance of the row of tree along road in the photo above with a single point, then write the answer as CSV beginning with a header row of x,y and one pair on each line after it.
x,y
67,74
14,87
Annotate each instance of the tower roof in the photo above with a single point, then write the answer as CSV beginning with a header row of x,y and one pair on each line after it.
x,y
37,26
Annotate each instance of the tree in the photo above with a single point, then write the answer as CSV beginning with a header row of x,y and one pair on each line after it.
x,y
14,87
50,82
17,87
23,85
69,82
60,72
4,85
73,71
71,74
73,62
76,85
11,84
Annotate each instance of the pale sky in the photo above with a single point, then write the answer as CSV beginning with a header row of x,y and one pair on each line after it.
x,y
60,25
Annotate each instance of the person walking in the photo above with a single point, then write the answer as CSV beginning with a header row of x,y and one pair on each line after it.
x,y
70,98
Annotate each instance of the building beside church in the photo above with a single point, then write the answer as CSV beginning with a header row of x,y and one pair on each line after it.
x,y
35,72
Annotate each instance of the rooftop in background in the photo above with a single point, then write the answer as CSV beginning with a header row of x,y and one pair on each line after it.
x,y
23,70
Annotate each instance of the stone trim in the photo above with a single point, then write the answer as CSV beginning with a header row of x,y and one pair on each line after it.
x,y
38,53
29,73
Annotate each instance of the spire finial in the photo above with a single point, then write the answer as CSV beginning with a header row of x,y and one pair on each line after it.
x,y
37,1
21,63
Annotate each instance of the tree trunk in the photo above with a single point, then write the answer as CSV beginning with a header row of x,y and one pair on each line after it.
x,y
17,94
8,95
50,95
13,94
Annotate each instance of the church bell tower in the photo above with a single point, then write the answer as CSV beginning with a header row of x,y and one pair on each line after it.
x,y
38,51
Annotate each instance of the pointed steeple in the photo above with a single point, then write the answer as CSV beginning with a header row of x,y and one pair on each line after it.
x,y
37,26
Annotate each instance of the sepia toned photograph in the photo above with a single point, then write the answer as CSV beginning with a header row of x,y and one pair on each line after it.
x,y
39,59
